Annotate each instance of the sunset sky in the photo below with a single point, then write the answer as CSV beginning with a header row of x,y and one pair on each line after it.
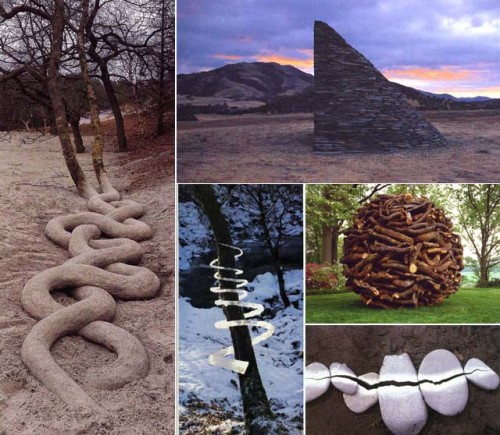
x,y
441,46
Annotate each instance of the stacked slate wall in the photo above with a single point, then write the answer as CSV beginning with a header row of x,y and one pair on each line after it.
x,y
355,107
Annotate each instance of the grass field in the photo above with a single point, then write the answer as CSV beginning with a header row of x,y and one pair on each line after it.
x,y
466,306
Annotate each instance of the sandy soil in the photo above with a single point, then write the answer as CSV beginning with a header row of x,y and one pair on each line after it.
x,y
279,148
362,348
35,187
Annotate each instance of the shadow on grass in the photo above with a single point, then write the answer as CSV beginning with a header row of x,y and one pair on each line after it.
x,y
466,306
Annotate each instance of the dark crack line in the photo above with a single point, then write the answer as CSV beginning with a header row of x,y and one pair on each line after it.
x,y
368,386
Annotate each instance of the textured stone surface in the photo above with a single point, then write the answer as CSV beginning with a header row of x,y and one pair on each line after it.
x,y
317,380
482,376
363,399
447,398
402,407
355,107
345,385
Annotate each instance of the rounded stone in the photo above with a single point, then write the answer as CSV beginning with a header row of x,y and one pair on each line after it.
x,y
402,406
317,380
448,397
337,373
481,375
363,399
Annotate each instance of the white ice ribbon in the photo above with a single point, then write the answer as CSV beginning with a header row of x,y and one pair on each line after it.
x,y
219,358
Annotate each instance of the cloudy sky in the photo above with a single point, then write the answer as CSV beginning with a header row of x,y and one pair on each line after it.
x,y
442,46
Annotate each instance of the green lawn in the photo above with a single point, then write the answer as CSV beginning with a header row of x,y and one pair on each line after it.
x,y
468,305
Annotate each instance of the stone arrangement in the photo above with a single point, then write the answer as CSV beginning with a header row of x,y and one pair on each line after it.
x,y
104,250
403,393
401,251
356,108
253,309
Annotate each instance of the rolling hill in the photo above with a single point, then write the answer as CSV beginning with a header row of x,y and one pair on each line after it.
x,y
286,89
245,81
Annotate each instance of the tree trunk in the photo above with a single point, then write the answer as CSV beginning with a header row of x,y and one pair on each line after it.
x,y
335,244
115,107
257,410
97,148
281,283
77,136
74,168
326,257
483,273
160,124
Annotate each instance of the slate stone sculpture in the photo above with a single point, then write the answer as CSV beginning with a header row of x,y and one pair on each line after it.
x,y
403,392
356,108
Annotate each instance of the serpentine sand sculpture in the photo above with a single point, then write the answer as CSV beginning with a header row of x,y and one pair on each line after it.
x,y
356,108
104,250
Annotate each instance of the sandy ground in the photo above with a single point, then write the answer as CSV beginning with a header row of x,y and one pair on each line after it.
x,y
279,148
363,348
35,187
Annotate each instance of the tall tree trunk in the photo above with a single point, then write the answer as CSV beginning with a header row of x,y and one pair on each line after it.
x,y
74,168
281,283
115,107
335,244
160,123
74,122
483,273
98,145
326,257
255,403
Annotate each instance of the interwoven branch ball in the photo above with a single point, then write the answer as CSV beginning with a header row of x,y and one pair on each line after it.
x,y
401,251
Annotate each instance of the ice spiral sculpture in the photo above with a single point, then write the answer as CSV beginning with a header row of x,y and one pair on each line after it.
x,y
403,393
104,250
253,309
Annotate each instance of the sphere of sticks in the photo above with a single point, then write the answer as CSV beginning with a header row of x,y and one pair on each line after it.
x,y
401,251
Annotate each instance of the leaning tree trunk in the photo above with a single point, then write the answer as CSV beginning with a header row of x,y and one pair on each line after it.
x,y
97,148
74,122
115,107
257,410
74,167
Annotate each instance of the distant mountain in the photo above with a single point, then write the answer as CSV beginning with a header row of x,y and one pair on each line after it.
x,y
286,89
245,81
462,99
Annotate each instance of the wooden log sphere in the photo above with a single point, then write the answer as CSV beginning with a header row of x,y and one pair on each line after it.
x,y
401,251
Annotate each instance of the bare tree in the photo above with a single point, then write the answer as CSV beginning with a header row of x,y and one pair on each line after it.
x,y
278,210
257,411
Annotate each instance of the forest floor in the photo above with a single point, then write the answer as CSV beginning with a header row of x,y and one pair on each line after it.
x,y
279,148
363,349
34,188
468,305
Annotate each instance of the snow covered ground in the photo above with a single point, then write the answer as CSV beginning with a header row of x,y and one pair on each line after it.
x,y
210,395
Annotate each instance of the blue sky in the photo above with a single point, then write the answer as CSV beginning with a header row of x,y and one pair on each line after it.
x,y
443,46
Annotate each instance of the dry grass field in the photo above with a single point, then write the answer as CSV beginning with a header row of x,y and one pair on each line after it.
x,y
279,148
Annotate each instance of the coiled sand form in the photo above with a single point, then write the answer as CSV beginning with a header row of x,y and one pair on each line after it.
x,y
104,250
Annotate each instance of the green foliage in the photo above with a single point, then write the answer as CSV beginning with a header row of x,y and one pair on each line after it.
x,y
330,205
466,306
321,278
439,194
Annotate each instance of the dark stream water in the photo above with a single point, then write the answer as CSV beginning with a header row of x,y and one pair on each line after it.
x,y
196,281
